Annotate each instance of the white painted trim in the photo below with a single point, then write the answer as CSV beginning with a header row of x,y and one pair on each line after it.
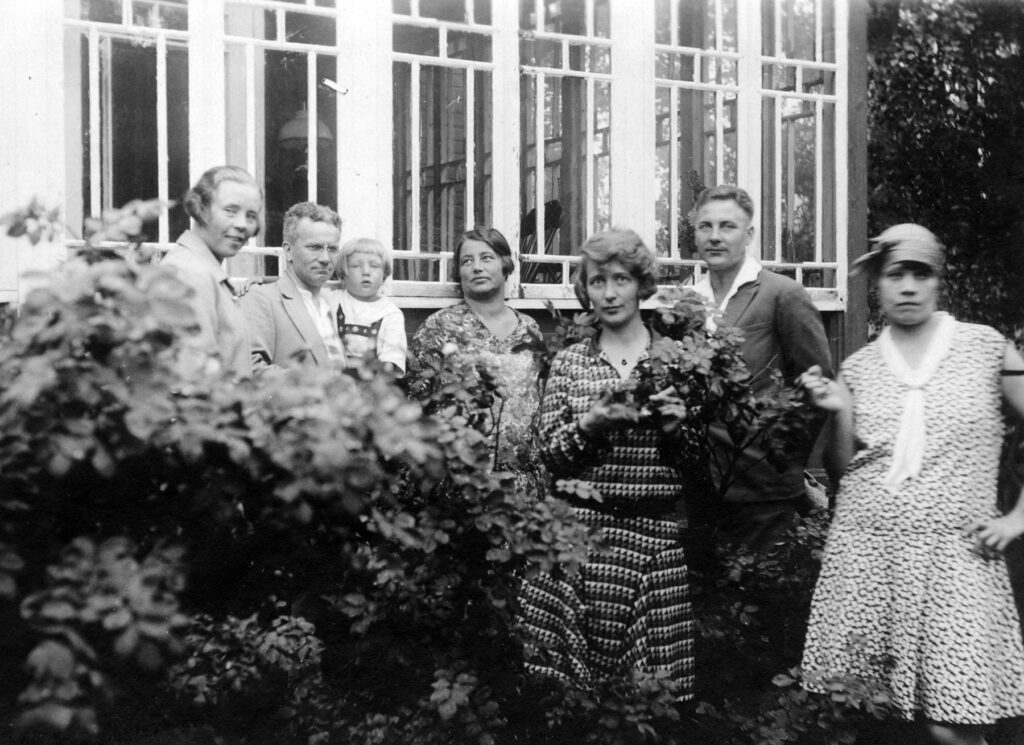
x,y
633,149
163,231
207,116
750,136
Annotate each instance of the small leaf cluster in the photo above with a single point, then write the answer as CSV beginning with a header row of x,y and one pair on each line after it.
x,y
36,221
102,609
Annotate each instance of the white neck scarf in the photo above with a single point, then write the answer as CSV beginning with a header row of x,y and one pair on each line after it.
x,y
908,450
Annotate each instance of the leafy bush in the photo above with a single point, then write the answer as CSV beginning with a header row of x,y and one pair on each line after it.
x,y
312,557
945,86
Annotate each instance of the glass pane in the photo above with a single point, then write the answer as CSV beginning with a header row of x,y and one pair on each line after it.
x,y
482,12
822,82
463,45
718,71
769,197
301,28
442,102
768,31
171,14
602,156
797,198
828,30
796,20
103,11
673,66
528,162
590,58
327,128
602,19
696,24
828,186
401,187
126,144
541,53
483,139
778,77
416,40
730,35
662,21
443,140
444,10
663,171
729,135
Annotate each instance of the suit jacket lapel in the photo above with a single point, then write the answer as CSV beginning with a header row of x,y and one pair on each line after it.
x,y
297,313
739,302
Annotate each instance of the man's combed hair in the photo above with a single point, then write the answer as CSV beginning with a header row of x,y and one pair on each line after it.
x,y
724,193
312,210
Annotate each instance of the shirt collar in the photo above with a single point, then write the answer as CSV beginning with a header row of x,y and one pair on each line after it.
x,y
198,248
748,273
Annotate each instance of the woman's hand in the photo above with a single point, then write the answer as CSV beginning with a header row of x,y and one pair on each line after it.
x,y
823,392
992,536
607,415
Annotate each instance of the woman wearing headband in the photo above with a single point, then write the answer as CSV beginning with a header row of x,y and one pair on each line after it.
x,y
913,593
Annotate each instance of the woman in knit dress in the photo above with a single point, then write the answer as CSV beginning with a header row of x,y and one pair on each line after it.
x,y
913,592
629,607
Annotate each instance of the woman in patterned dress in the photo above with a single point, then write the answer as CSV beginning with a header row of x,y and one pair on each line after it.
x,y
628,608
913,592
483,326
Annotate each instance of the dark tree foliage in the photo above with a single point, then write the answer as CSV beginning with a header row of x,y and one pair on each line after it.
x,y
946,119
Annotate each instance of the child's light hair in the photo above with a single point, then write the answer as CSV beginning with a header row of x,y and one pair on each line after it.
x,y
365,246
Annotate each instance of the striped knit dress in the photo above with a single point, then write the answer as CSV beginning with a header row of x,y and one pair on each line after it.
x,y
629,607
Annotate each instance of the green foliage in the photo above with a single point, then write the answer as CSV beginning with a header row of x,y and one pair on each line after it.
x,y
946,86
36,222
311,556
752,610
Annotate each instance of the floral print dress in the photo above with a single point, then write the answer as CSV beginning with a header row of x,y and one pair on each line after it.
x,y
512,361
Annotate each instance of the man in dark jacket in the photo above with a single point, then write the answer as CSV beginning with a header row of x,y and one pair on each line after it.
x,y
782,332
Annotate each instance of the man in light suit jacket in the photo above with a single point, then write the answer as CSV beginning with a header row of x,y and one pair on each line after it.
x,y
782,332
292,319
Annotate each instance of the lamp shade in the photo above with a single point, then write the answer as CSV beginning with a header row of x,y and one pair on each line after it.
x,y
294,133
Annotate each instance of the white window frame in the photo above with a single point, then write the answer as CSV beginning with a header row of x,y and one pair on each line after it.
x,y
364,46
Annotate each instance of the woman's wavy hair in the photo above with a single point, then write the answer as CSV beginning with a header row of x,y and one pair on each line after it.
x,y
198,199
624,246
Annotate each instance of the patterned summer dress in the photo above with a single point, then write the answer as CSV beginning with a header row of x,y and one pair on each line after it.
x,y
901,598
513,363
628,608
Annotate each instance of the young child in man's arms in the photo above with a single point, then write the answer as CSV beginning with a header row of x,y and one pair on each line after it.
x,y
370,326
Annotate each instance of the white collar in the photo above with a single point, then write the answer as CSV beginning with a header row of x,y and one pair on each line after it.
x,y
196,246
748,272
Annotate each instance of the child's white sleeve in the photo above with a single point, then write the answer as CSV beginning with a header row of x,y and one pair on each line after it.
x,y
391,342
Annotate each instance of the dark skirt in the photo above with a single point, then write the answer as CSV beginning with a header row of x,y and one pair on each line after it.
x,y
628,608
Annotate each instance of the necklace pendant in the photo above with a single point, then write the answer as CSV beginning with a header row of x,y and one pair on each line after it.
x,y
624,361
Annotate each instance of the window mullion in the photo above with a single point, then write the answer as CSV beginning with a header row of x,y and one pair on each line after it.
x,y
750,137
161,137
633,150
505,146
207,116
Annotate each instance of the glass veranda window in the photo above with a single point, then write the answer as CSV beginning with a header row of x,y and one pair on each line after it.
x,y
442,73
565,134
127,137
